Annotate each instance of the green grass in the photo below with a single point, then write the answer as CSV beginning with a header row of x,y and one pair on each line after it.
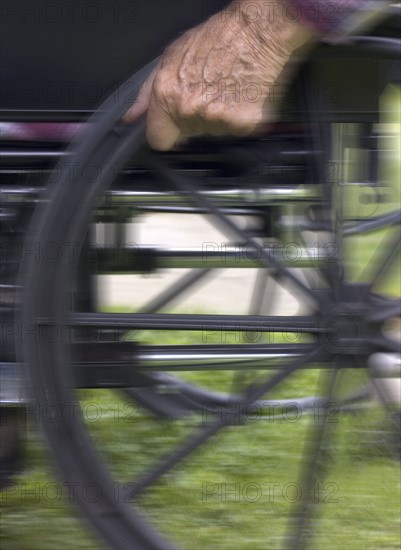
x,y
222,497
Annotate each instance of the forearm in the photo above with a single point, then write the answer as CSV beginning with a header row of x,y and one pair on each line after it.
x,y
338,18
329,20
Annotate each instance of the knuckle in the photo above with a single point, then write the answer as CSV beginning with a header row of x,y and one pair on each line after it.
x,y
163,85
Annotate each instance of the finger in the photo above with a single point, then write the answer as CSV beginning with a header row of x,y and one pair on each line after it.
x,y
162,132
141,103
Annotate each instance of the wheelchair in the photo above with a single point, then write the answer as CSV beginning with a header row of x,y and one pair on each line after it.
x,y
309,207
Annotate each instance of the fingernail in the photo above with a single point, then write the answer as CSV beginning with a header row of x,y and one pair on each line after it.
x,y
128,115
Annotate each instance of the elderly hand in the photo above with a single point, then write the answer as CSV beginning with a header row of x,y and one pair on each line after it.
x,y
222,77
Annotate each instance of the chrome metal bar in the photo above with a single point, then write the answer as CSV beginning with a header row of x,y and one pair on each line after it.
x,y
141,195
12,383
205,323
246,196
186,358
33,154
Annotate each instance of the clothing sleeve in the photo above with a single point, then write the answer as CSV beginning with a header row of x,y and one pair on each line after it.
x,y
337,19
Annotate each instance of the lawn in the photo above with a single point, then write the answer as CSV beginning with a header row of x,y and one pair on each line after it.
x,y
237,492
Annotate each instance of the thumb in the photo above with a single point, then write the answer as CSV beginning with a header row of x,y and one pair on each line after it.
x,y
141,103
162,132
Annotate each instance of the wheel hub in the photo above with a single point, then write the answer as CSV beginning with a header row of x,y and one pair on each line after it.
x,y
349,329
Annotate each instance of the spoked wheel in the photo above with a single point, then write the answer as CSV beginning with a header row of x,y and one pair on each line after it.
x,y
342,327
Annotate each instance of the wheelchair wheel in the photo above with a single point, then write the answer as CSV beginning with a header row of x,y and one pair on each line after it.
x,y
341,328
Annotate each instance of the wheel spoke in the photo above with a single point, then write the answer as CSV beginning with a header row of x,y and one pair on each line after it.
x,y
314,469
208,429
386,344
232,230
322,141
186,282
374,224
257,304
386,311
383,259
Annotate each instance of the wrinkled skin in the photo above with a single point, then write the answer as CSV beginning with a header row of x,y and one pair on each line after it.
x,y
223,77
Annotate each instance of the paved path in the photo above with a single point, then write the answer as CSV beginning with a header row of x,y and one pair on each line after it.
x,y
227,291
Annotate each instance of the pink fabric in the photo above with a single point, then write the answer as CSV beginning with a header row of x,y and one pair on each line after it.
x,y
47,131
325,16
